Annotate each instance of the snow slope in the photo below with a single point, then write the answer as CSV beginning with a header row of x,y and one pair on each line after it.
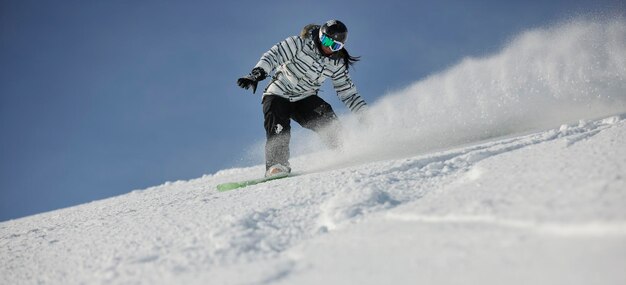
x,y
542,208
464,177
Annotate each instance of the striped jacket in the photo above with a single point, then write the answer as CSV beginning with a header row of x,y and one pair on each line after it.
x,y
301,68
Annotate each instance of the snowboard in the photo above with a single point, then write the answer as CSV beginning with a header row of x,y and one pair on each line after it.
x,y
241,184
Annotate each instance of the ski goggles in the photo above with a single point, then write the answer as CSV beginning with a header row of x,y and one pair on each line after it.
x,y
330,43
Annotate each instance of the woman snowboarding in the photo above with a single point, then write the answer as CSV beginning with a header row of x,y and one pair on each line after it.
x,y
300,65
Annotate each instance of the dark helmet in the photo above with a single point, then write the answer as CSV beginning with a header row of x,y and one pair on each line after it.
x,y
336,30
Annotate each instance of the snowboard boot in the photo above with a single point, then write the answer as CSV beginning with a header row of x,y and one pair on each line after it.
x,y
277,169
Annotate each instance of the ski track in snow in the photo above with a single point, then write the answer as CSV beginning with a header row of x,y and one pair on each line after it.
x,y
184,232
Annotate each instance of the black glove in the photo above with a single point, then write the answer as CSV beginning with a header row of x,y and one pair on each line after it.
x,y
252,79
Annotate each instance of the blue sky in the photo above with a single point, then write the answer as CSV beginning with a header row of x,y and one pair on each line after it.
x,y
98,98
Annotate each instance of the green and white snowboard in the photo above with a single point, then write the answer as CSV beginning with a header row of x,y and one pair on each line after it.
x,y
236,185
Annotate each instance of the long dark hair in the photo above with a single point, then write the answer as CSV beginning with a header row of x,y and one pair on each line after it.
x,y
312,30
347,58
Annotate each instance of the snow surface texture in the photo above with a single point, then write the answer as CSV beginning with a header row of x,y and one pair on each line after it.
x,y
541,204
544,208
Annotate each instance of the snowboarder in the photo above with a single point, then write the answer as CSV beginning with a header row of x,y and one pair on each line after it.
x,y
301,64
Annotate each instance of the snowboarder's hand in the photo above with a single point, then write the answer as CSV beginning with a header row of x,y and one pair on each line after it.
x,y
247,82
252,79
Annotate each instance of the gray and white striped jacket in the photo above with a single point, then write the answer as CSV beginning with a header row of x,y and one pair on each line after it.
x,y
301,68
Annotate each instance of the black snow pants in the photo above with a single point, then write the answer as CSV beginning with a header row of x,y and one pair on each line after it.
x,y
312,113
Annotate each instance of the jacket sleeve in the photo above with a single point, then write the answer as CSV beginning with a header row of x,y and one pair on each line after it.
x,y
280,53
346,91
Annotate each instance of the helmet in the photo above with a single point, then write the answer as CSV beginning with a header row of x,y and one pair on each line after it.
x,y
336,30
